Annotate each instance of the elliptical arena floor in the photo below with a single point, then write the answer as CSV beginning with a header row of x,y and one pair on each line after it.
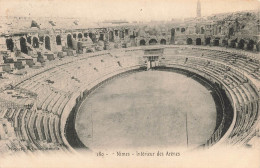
x,y
147,109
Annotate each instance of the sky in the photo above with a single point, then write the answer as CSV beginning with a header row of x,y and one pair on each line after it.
x,y
131,10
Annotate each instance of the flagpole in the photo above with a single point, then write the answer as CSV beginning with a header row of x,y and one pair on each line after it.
x,y
187,130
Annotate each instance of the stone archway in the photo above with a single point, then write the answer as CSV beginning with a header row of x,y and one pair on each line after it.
x,y
23,45
111,36
47,43
58,40
101,37
10,44
216,42
69,41
241,44
152,42
29,40
224,43
231,31
142,42
74,35
250,45
80,36
233,43
207,41
163,42
189,41
93,37
198,41
35,43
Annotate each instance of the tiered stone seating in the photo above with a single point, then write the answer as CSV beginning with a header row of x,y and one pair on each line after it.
x,y
245,97
38,127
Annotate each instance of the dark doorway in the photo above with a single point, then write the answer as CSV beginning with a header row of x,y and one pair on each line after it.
x,y
10,44
47,43
231,31
29,40
163,42
23,45
58,40
241,44
233,43
101,37
80,36
152,42
224,43
111,36
216,42
198,41
35,42
207,41
189,41
250,45
74,35
69,41
142,42
116,32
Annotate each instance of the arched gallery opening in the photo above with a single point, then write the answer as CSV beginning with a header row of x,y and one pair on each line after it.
x,y
233,43
189,41
10,44
111,36
29,40
142,42
92,36
121,34
58,40
216,42
207,41
101,37
241,44
23,45
74,35
198,41
152,42
80,36
250,45
231,31
224,43
47,43
69,41
35,43
163,42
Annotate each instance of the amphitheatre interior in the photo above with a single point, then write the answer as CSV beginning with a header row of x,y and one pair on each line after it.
x,y
66,86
